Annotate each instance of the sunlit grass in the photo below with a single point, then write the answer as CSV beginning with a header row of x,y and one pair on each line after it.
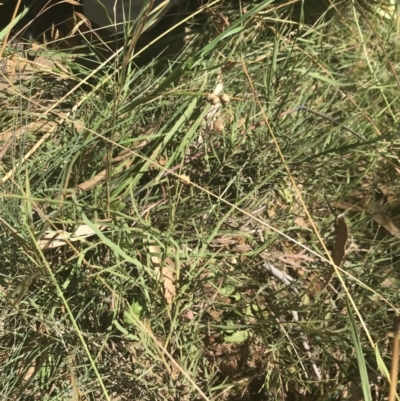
x,y
136,234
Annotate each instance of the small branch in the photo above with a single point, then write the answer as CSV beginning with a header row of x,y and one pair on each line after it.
x,y
395,360
6,146
324,116
288,280
260,124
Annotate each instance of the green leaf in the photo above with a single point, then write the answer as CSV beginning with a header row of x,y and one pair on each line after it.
x,y
15,20
381,365
228,290
328,80
236,27
114,247
125,332
237,337
137,309
306,299
213,44
362,367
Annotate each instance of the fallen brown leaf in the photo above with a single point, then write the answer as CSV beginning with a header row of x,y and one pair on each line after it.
x,y
184,178
380,218
30,372
55,239
388,283
123,155
316,286
301,222
225,241
73,2
34,127
18,68
164,272
242,248
340,243
215,315
92,182
385,221
340,248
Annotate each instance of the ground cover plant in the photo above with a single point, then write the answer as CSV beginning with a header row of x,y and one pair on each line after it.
x,y
219,224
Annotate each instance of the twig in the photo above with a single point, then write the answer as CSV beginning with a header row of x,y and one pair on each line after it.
x,y
186,161
4,44
285,278
30,152
395,360
337,123
252,127
6,146
324,116
147,329
202,153
135,38
198,155
260,124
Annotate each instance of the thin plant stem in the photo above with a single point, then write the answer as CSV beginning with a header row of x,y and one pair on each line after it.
x,y
395,360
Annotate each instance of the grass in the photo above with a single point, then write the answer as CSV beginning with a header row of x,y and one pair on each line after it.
x,y
138,237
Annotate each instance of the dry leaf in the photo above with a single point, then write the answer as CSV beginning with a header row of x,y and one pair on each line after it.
x,y
77,393
380,218
301,222
168,271
241,122
223,241
316,286
165,273
347,206
215,315
73,2
92,182
388,283
385,221
162,161
8,66
37,126
36,46
79,125
44,63
55,239
184,178
188,314
17,68
30,372
340,243
242,248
